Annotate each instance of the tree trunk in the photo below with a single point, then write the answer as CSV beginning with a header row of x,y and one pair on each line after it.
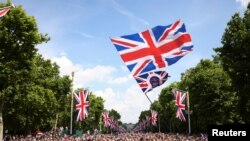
x,y
1,122
55,127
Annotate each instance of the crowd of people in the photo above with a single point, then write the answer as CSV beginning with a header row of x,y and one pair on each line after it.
x,y
111,137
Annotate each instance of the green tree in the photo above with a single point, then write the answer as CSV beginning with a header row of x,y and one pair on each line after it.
x,y
93,121
235,56
37,100
142,118
168,120
156,106
113,113
116,116
61,87
211,97
95,110
18,35
144,114
64,115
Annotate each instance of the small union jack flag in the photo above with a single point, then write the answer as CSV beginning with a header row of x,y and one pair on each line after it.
x,y
153,117
106,118
115,124
144,122
4,11
112,121
154,48
180,101
150,80
148,121
82,104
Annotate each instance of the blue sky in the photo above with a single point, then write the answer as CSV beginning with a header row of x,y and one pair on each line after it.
x,y
80,32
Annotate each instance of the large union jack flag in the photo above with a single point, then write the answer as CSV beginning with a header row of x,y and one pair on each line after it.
x,y
150,80
82,104
155,48
105,116
153,117
180,101
3,11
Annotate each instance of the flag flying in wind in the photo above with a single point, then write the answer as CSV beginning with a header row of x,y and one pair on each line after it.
x,y
150,80
154,48
153,117
82,104
106,118
180,101
148,121
3,11
112,122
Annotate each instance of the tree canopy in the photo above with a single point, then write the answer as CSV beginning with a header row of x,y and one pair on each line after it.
x,y
18,35
33,104
218,88
235,55
212,100
34,96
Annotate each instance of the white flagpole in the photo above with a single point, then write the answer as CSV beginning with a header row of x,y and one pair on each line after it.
x,y
72,100
148,98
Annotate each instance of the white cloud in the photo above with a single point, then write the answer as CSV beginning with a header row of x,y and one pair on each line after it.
x,y
96,74
83,76
129,103
243,3
124,68
119,80
66,65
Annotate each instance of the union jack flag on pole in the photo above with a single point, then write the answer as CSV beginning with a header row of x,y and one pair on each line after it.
x,y
4,11
154,48
148,121
153,117
111,121
150,80
82,104
106,118
180,101
144,123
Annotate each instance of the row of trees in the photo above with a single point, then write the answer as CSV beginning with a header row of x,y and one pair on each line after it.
x,y
218,88
18,37
33,95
